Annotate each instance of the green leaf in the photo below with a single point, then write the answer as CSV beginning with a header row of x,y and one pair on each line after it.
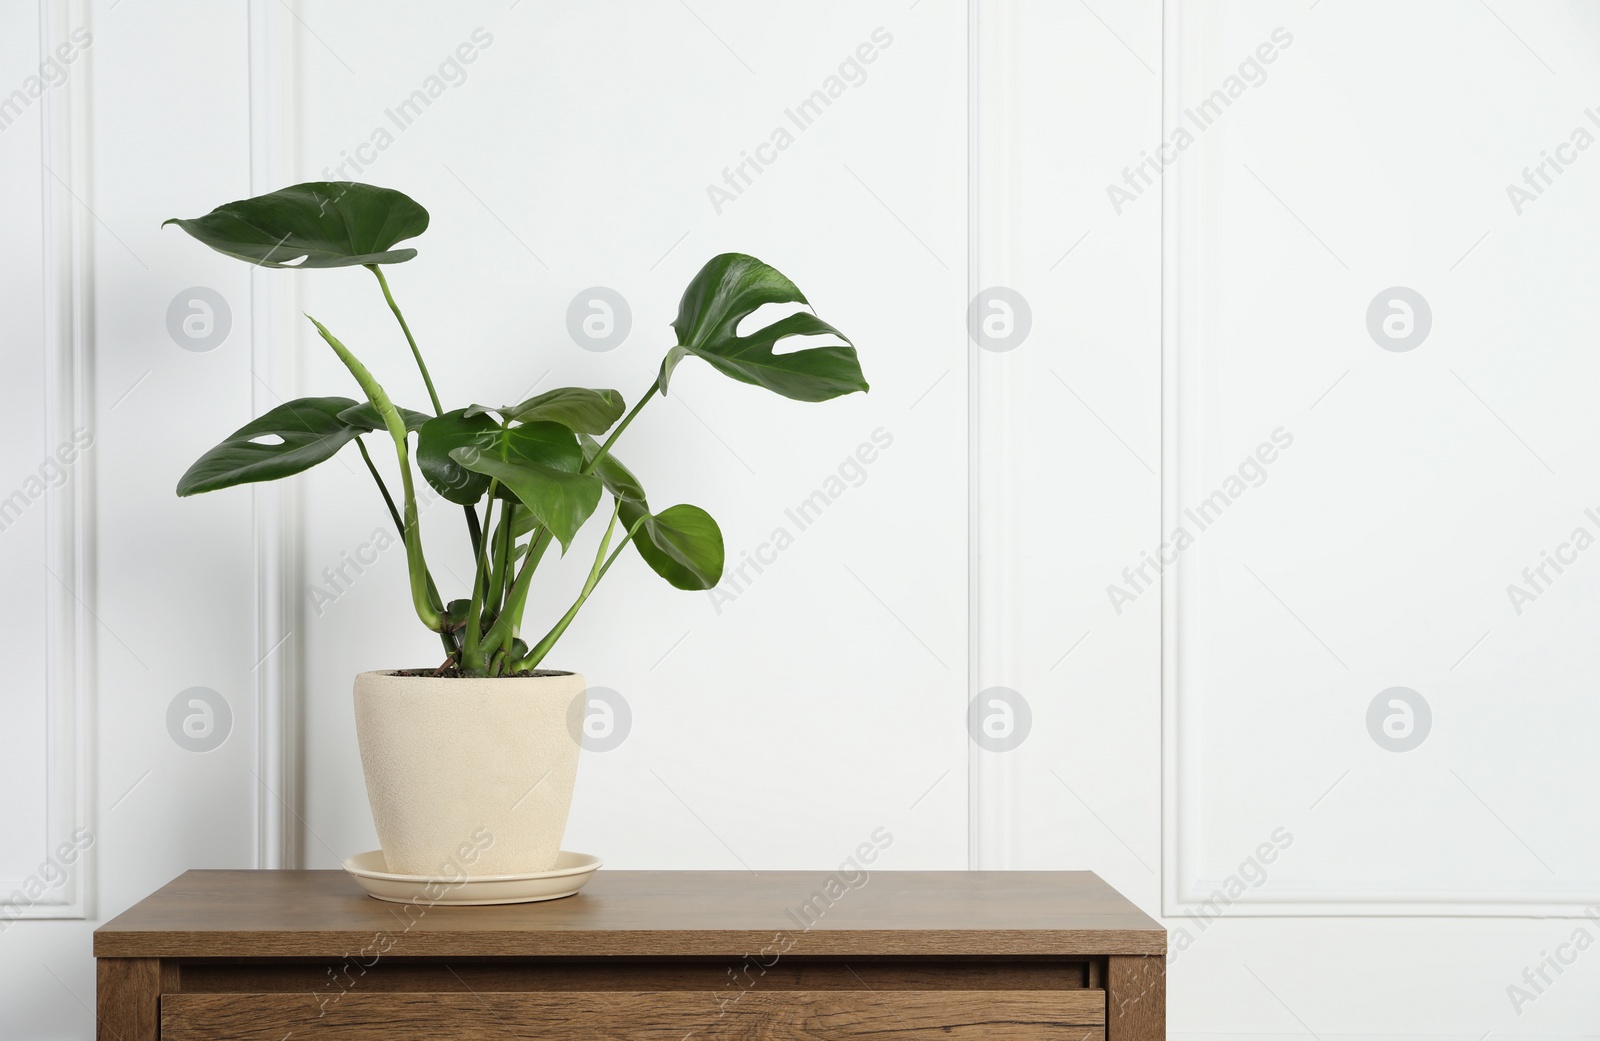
x,y
618,479
455,614
682,543
313,225
364,417
440,436
726,291
307,432
579,409
538,463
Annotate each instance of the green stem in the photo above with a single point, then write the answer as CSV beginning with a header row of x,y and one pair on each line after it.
x,y
508,555
471,647
602,564
388,500
505,627
474,532
449,641
422,367
394,514
501,542
416,353
423,597
589,466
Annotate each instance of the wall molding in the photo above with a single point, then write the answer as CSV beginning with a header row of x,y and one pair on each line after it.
x,y
275,505
993,828
68,406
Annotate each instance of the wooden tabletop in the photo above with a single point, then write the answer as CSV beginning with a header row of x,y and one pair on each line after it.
x,y
314,914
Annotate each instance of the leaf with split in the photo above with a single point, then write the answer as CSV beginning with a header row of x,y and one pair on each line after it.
x,y
295,436
729,289
318,224
364,417
538,463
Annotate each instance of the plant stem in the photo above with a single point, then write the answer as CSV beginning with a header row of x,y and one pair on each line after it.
x,y
596,573
602,564
537,654
400,526
504,629
415,351
472,657
505,626
388,500
474,532
616,432
501,542
511,616
424,598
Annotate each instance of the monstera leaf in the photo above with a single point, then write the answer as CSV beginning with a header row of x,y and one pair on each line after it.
x,y
618,479
682,543
295,436
579,409
313,225
440,436
726,291
539,464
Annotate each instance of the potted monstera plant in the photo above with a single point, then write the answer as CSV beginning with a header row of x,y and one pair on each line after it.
x,y
479,742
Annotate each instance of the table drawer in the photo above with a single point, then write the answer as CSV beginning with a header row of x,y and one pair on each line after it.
x,y
796,1015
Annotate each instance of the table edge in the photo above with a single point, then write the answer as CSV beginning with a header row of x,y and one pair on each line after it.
x,y
943,943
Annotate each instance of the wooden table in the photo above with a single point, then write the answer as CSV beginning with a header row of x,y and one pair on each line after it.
x,y
777,956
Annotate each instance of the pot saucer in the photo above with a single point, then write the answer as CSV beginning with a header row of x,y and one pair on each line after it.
x,y
571,872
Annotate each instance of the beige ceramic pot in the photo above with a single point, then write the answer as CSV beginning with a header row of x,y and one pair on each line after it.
x,y
469,776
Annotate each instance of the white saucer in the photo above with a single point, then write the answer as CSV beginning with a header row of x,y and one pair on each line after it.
x,y
572,870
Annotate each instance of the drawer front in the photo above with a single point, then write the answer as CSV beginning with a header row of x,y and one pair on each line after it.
x,y
798,1015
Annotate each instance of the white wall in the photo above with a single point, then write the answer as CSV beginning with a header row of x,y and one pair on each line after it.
x,y
830,697
165,587
1366,178
538,192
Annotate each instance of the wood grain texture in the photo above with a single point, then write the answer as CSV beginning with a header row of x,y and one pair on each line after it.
x,y
128,998
323,914
771,1016
721,976
1136,999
